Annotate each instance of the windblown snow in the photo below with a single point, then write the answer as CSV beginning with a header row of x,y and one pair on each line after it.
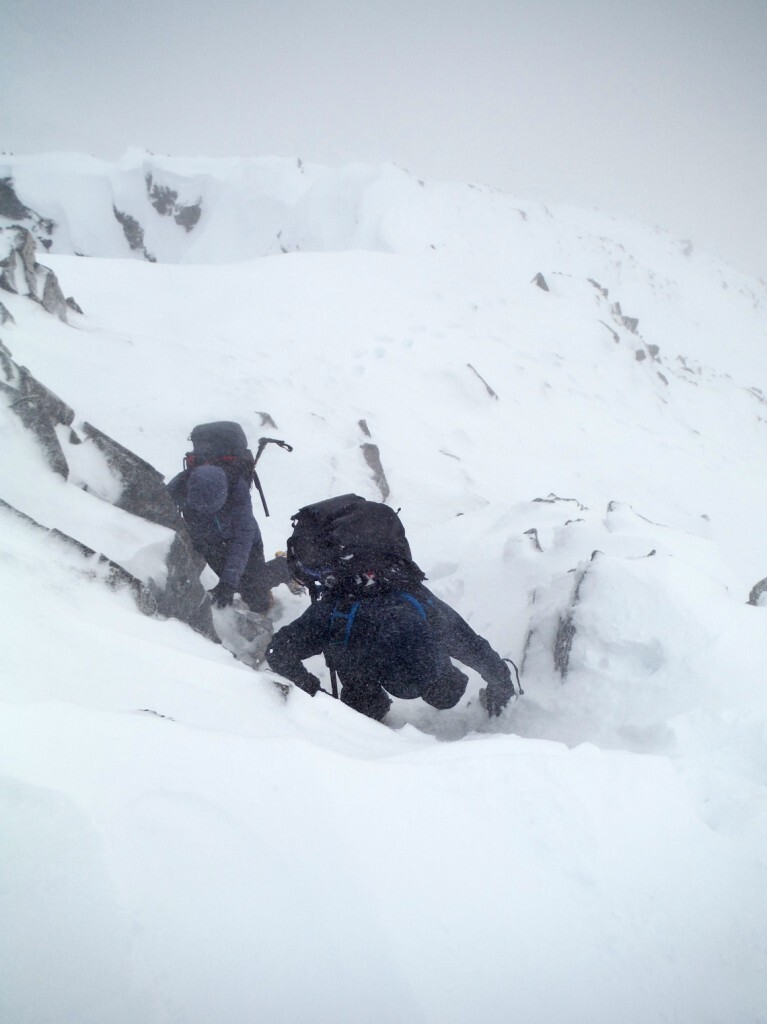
x,y
570,412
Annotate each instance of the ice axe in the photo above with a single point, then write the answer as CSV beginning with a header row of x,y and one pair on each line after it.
x,y
262,443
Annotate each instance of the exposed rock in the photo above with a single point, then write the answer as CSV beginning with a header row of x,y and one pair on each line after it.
x,y
134,233
40,410
187,216
184,597
540,281
603,291
756,592
144,492
266,420
631,323
566,628
5,316
21,274
13,209
616,336
115,576
373,459
6,363
52,298
165,200
552,499
563,643
532,533
10,204
487,386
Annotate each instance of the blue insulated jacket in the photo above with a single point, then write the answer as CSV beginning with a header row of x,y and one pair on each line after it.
x,y
231,531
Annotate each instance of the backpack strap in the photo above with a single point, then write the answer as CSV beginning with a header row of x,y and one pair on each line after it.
x,y
349,616
414,601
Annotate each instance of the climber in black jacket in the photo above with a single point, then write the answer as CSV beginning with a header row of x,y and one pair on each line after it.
x,y
397,643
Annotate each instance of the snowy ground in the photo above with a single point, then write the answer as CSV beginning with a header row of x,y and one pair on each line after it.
x,y
182,844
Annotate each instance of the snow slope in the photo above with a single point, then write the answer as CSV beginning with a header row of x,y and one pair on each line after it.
x,y
182,844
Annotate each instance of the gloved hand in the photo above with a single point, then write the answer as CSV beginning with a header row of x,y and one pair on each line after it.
x,y
222,595
310,684
497,694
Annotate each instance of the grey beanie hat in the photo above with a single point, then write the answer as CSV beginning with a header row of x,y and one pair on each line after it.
x,y
206,490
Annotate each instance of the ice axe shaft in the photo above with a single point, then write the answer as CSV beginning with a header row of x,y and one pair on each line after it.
x,y
262,443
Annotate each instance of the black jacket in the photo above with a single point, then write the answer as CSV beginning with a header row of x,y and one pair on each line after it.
x,y
315,632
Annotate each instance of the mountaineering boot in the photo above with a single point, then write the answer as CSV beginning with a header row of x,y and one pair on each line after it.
x,y
445,691
369,699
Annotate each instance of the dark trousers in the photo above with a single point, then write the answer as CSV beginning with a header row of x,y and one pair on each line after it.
x,y
372,699
258,577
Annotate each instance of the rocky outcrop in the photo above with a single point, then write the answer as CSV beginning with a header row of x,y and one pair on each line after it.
x,y
134,233
38,408
372,455
164,199
21,274
183,596
141,492
13,210
94,564
143,488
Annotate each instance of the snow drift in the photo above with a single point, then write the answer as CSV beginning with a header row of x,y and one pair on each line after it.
x,y
570,412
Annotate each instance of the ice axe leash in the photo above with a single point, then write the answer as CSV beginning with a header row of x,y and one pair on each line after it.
x,y
516,673
262,443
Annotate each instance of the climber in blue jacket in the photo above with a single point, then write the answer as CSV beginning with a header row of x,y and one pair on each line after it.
x,y
219,516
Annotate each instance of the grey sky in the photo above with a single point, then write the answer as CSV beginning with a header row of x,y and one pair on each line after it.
x,y
647,109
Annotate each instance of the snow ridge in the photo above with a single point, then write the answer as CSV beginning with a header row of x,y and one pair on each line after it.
x,y
579,469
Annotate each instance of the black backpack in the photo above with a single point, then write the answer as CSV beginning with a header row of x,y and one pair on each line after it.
x,y
352,544
224,444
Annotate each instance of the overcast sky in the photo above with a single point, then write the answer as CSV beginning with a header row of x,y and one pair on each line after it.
x,y
651,109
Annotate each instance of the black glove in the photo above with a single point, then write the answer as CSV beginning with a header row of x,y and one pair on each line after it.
x,y
222,595
310,684
497,694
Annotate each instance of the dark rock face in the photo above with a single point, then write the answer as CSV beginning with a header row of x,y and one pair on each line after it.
x,y
187,216
39,409
143,494
162,198
21,274
115,576
563,644
165,200
13,209
133,232
184,596
372,455
540,281
10,204
756,592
